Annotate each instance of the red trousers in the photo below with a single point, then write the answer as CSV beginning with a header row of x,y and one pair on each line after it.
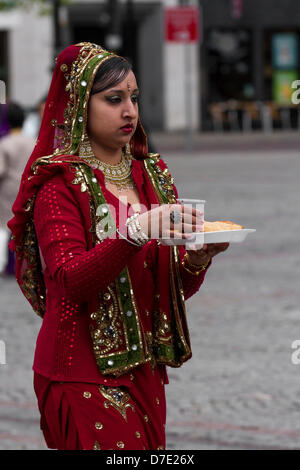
x,y
87,416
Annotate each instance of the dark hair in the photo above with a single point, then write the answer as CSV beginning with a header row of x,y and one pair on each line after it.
x,y
110,73
15,115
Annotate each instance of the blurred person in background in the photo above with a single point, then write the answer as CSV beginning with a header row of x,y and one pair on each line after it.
x,y
32,121
111,295
4,127
15,149
4,130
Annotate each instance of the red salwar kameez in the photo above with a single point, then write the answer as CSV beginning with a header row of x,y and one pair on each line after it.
x,y
62,272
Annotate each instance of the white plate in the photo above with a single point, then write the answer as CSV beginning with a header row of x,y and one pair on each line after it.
x,y
222,236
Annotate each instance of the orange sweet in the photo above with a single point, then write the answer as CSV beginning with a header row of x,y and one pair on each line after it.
x,y
220,225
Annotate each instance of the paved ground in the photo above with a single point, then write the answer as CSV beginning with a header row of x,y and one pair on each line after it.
x,y
240,390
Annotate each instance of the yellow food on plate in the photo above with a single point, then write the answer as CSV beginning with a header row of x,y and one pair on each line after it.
x,y
220,225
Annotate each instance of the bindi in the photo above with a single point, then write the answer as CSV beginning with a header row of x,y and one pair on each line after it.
x,y
128,86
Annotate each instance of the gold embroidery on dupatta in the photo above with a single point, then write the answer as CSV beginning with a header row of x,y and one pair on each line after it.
x,y
165,180
66,139
28,284
161,327
36,296
29,205
87,52
178,340
107,335
180,319
79,178
149,341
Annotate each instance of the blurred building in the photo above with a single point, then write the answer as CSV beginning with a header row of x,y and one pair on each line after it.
x,y
239,78
133,28
250,57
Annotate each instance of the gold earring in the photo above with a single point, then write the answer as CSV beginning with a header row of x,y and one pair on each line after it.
x,y
85,149
128,151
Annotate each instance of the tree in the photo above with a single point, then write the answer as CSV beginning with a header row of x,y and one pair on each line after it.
x,y
11,4
44,6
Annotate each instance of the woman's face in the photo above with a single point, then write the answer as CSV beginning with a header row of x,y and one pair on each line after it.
x,y
113,114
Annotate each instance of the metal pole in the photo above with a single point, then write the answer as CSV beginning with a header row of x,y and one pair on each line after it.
x,y
128,34
113,40
113,10
189,142
189,137
56,28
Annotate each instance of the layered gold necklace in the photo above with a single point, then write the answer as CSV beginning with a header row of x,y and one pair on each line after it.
x,y
119,175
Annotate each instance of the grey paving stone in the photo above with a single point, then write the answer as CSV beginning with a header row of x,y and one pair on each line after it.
x,y
240,390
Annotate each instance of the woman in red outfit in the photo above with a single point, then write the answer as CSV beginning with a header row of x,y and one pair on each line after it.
x,y
111,294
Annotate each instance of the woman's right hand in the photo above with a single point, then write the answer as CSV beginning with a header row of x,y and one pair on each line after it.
x,y
157,224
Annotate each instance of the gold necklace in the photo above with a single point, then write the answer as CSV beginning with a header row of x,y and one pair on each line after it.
x,y
118,175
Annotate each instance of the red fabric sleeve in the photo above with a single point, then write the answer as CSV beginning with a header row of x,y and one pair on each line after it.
x,y
191,283
61,237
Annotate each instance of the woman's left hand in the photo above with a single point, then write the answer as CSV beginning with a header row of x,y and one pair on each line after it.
x,y
204,255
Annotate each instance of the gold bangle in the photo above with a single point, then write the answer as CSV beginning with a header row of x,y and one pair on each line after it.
x,y
186,258
199,269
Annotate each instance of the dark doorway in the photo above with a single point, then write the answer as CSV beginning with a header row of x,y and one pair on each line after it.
x,y
229,64
4,76
88,33
94,26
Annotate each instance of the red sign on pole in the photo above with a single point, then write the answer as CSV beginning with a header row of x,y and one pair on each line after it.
x,y
237,8
182,24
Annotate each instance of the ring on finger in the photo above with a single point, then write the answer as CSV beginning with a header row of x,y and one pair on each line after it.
x,y
176,217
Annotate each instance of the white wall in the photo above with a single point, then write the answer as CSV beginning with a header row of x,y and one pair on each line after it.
x,y
30,59
180,72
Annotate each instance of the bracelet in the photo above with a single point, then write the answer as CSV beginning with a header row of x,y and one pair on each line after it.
x,y
196,266
199,268
135,230
127,239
